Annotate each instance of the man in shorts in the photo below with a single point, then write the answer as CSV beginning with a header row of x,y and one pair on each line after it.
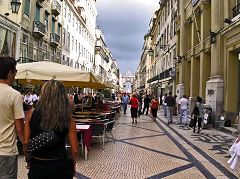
x,y
11,119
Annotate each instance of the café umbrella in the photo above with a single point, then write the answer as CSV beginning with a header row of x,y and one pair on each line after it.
x,y
39,72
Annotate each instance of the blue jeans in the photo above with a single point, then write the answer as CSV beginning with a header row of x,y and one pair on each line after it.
x,y
183,115
124,107
164,109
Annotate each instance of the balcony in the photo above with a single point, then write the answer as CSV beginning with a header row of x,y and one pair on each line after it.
x,y
56,8
236,10
54,39
39,29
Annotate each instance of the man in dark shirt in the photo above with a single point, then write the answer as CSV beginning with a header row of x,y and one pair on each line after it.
x,y
170,100
139,104
146,101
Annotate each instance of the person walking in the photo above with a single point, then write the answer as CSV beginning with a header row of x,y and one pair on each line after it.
x,y
134,107
147,101
154,107
183,106
198,113
139,104
175,106
164,104
170,100
11,119
52,114
125,101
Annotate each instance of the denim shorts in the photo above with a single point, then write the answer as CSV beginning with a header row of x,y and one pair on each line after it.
x,y
8,167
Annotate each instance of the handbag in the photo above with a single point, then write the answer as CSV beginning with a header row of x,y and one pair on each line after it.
x,y
41,141
191,123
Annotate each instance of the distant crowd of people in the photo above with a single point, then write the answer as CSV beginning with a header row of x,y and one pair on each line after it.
x,y
142,104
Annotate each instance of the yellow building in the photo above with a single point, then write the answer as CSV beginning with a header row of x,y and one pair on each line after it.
x,y
34,34
163,42
208,51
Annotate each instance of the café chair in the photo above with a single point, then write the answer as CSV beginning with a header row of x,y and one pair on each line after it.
x,y
108,129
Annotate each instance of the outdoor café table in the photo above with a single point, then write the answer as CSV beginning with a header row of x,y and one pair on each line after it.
x,y
86,116
86,137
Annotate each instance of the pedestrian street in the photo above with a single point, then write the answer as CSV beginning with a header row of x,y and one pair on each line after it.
x,y
153,149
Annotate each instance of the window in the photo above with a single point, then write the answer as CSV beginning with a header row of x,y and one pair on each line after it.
x,y
25,46
65,11
59,29
37,14
73,20
44,51
63,60
35,51
68,61
27,7
76,45
69,16
68,39
64,36
46,21
72,42
53,25
52,55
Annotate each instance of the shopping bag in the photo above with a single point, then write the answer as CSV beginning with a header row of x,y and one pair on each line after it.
x,y
191,123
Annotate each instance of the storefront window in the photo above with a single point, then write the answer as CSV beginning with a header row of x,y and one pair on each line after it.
x,y
7,42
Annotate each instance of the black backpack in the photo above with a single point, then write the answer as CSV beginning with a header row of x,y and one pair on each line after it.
x,y
196,110
228,123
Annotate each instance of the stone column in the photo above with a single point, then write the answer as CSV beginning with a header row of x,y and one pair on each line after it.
x,y
205,57
180,85
214,87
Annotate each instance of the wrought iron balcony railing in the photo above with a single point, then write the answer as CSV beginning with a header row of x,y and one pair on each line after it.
x,y
56,8
54,39
236,10
39,29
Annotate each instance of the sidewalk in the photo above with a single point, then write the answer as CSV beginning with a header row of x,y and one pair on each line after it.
x,y
153,149
211,144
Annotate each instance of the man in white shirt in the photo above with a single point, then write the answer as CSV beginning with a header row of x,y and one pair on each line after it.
x,y
183,106
11,119
28,98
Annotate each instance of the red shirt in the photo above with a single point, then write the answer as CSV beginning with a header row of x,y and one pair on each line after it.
x,y
154,104
134,102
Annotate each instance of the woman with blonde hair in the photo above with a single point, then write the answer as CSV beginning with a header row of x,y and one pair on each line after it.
x,y
52,114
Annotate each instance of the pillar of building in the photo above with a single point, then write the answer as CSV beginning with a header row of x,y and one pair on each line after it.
x,y
180,85
205,56
214,87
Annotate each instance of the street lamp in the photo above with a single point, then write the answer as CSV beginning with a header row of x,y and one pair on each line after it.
x,y
15,5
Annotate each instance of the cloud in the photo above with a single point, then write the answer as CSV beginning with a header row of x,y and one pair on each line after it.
x,y
124,24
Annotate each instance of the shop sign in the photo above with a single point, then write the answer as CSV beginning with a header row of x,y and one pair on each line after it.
x,y
194,2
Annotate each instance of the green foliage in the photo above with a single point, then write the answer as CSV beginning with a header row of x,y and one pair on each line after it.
x,y
106,93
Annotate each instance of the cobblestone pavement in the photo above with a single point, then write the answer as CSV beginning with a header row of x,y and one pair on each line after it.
x,y
153,149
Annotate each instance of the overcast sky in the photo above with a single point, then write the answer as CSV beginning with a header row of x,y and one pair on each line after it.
x,y
124,24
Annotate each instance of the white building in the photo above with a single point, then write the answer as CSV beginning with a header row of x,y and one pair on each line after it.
x,y
78,37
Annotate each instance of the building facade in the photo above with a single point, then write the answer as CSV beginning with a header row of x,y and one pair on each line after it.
x,y
79,23
157,66
209,53
40,31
